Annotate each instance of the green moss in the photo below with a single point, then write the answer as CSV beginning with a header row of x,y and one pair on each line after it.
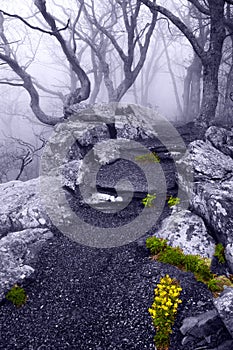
x,y
17,296
149,157
172,256
193,263
220,253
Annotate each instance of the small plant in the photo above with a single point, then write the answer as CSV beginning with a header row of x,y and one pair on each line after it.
x,y
220,253
149,157
164,309
214,286
191,262
156,245
148,200
172,201
17,296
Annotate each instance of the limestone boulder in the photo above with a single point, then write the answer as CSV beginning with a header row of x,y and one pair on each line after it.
x,y
70,172
213,202
224,305
207,163
21,208
17,251
221,138
186,230
206,331
212,190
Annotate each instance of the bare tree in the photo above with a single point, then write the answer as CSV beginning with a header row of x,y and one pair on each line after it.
x,y
210,58
130,46
172,75
136,39
16,155
228,106
26,81
192,83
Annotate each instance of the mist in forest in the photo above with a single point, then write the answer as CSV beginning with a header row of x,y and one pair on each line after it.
x,y
126,51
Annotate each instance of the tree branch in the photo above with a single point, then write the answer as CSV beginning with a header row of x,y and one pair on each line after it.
x,y
43,88
28,85
179,24
80,94
34,27
10,83
107,34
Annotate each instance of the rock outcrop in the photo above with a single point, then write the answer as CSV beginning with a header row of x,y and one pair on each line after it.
x,y
17,251
221,139
24,228
21,208
206,331
224,305
212,192
186,230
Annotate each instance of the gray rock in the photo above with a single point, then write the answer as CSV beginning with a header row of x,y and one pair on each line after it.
x,y
221,139
107,151
204,330
186,230
208,163
226,345
21,207
190,324
70,172
17,250
213,202
212,193
224,305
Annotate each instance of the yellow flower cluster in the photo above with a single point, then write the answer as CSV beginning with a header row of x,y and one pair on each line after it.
x,y
164,309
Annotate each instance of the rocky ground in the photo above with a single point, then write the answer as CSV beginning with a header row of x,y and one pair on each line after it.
x,y
88,298
83,298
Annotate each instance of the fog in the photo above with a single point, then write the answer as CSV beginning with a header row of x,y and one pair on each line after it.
x,y
41,56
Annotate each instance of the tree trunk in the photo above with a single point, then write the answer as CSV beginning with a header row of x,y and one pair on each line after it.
x,y
186,94
173,79
210,59
195,92
210,94
98,77
228,108
211,64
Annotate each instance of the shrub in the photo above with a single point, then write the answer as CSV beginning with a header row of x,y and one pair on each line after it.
x,y
148,200
164,309
203,270
220,253
17,296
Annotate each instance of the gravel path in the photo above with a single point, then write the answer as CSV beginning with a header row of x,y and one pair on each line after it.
x,y
83,298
